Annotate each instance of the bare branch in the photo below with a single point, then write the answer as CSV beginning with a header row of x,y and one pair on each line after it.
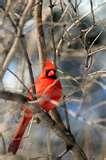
x,y
7,8
4,144
29,66
52,30
49,144
16,40
100,120
97,74
74,9
92,11
61,5
58,126
72,25
41,45
18,79
86,47
94,41
44,116
66,114
63,14
7,95
67,138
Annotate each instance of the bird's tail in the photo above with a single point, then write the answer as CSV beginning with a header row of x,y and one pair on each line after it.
x,y
14,144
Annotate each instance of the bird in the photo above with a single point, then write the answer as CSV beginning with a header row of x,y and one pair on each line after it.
x,y
48,87
48,92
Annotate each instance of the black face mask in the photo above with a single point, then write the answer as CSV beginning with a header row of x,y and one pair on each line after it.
x,y
51,73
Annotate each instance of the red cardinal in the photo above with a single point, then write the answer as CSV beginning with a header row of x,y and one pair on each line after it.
x,y
49,90
48,87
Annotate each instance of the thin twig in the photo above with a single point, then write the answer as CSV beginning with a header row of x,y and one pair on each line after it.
x,y
49,144
52,31
98,50
4,143
74,9
89,58
94,41
86,47
27,58
11,19
67,30
41,45
7,95
7,8
68,11
66,115
61,5
99,120
16,40
29,67
72,25
63,14
18,79
63,25
92,11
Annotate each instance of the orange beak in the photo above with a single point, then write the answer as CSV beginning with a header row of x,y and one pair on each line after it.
x,y
51,73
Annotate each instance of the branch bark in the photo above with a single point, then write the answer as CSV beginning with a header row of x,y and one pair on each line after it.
x,y
41,45
52,30
29,66
7,8
16,40
45,118
56,124
7,95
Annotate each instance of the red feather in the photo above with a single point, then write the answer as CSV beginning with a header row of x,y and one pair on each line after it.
x,y
17,137
49,90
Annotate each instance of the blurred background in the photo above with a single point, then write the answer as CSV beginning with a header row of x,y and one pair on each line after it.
x,y
85,92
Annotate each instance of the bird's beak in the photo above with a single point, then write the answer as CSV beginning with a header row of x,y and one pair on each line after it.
x,y
51,73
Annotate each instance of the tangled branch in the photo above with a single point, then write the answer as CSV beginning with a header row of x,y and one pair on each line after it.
x,y
16,40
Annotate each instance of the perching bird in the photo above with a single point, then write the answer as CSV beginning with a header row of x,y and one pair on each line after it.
x,y
49,91
48,87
